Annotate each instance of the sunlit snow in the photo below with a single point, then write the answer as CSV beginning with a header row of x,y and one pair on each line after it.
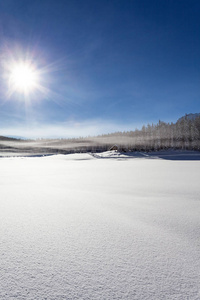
x,y
106,226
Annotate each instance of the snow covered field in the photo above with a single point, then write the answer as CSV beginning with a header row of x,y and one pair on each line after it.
x,y
107,226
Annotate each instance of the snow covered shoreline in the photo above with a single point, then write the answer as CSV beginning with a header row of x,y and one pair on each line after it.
x,y
170,154
79,227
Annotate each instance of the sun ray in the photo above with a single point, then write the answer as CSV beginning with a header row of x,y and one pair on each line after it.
x,y
31,80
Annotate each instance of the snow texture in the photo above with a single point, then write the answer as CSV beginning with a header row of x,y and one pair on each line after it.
x,y
87,226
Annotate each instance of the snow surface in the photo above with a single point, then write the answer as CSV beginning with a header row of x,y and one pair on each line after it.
x,y
84,227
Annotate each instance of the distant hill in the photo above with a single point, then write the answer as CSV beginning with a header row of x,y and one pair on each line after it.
x,y
5,138
189,117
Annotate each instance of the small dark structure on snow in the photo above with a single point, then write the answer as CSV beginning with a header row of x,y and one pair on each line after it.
x,y
114,147
117,148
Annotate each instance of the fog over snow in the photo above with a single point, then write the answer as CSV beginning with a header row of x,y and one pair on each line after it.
x,y
105,226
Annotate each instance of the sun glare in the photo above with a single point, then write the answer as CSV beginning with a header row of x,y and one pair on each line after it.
x,y
23,78
27,78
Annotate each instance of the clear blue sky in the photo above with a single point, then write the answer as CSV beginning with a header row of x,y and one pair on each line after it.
x,y
105,65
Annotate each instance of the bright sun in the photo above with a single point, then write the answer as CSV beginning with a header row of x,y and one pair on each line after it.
x,y
23,78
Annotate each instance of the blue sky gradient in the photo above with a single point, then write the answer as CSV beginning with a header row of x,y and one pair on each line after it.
x,y
105,65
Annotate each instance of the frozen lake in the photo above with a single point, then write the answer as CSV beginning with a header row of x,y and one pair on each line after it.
x,y
107,226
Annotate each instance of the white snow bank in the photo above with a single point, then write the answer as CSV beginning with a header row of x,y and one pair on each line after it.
x,y
76,227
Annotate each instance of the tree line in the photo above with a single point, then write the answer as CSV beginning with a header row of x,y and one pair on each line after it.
x,y
184,134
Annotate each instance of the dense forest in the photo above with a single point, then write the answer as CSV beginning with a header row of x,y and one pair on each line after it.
x,y
184,134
